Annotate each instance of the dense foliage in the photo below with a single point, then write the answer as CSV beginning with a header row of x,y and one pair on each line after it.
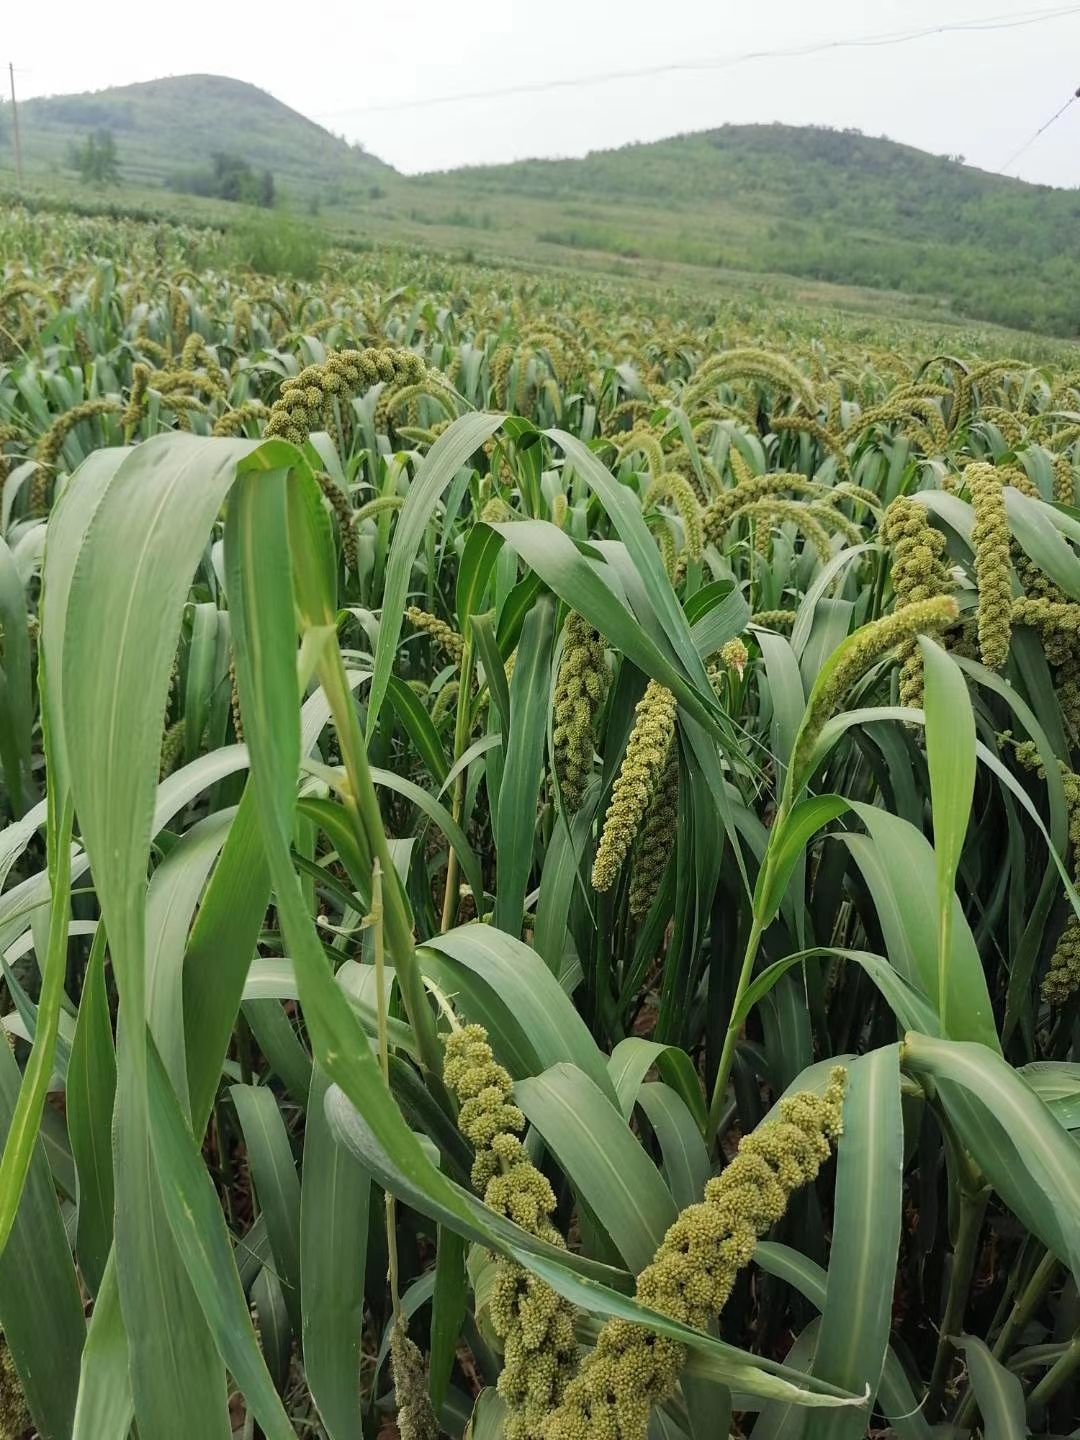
x,y
539,855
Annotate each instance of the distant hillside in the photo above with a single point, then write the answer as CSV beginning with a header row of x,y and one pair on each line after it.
x,y
163,127
802,201
832,205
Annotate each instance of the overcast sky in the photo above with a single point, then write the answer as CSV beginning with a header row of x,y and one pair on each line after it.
x,y
977,94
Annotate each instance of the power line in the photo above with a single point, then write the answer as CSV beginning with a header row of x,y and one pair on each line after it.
x,y
1028,143
1015,20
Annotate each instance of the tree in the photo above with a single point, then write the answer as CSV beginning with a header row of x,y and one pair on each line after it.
x,y
96,159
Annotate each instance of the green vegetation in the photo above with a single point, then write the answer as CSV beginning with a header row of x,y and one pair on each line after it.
x,y
539,845
824,205
228,177
96,159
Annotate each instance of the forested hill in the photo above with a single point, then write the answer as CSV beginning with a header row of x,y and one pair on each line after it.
x,y
834,205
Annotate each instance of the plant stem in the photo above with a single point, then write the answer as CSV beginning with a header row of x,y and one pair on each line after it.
x,y
972,1209
727,1055
461,740
375,919
363,805
1063,1369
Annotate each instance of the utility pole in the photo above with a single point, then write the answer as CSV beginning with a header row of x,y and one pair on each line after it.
x,y
15,125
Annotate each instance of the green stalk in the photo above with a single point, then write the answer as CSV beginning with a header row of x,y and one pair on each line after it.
x,y
363,805
1023,1308
375,920
972,1209
461,740
731,1038
1062,1370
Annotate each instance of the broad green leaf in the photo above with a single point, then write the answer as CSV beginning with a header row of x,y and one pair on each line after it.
x,y
40,1306
524,989
273,1173
1029,1159
453,447
335,1196
999,1393
90,1093
198,1224
105,1408
857,1314
519,791
600,1156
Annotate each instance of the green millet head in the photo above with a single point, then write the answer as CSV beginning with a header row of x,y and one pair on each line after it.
x,y
674,487
535,1325
233,422
863,649
990,541
305,400
1062,978
580,688
637,781
415,1418
444,635
782,620
735,656
342,507
918,573
172,747
656,840
632,1369
445,702
496,511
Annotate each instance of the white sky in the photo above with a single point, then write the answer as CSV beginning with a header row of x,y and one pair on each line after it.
x,y
979,94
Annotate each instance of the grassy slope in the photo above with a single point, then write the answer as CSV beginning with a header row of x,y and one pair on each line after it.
x,y
816,203
813,204
164,126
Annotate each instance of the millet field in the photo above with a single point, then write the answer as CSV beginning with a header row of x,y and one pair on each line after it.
x,y
540,856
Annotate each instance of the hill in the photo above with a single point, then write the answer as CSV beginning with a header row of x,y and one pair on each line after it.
x,y
165,127
824,204
806,202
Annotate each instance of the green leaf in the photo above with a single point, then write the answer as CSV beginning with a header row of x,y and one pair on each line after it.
x,y
603,1161
448,1305
515,823
196,1221
899,866
105,1408
857,1315
787,845
40,1306
335,1197
273,1173
894,1394
523,990
950,754
999,1393
634,1057
686,1160
90,1093
453,447
1029,1159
